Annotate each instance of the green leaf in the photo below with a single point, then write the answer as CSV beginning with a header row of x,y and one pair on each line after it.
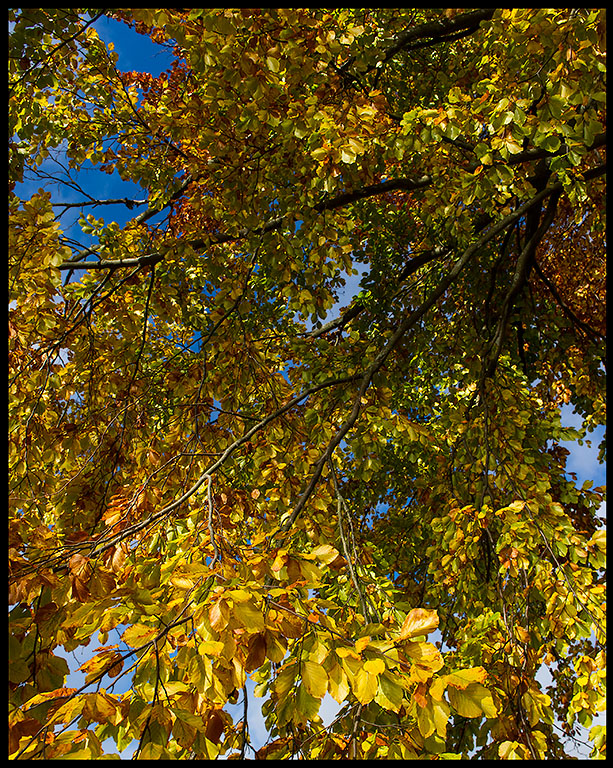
x,y
390,694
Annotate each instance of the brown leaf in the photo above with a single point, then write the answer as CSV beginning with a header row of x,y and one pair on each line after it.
x,y
214,726
256,654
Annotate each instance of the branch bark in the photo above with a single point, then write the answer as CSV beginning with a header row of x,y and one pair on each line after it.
x,y
438,31
406,184
391,185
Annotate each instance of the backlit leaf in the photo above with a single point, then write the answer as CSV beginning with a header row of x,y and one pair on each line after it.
x,y
418,622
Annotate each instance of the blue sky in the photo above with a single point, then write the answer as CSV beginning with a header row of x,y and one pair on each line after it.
x,y
137,52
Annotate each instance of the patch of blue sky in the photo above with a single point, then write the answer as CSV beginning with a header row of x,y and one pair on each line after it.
x,y
583,458
135,52
70,187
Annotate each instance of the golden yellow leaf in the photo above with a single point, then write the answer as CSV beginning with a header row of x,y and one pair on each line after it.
x,y
365,686
139,634
420,621
463,677
314,678
181,582
374,666
361,643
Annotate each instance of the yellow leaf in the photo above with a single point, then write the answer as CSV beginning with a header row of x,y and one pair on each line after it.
x,y
139,634
306,705
365,686
474,701
285,680
419,622
279,561
513,146
537,706
513,750
219,615
425,721
440,714
326,553
437,689
275,647
347,155
357,146
314,678
425,654
181,582
70,709
361,643
599,538
390,694
210,648
250,616
338,684
464,677
102,708
239,595
320,153
374,666
522,635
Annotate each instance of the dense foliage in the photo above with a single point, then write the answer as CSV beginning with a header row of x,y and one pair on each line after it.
x,y
217,472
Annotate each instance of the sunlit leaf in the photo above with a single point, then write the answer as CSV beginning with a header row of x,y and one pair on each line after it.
x,y
418,622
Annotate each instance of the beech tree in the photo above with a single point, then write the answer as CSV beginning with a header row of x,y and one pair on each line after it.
x,y
219,474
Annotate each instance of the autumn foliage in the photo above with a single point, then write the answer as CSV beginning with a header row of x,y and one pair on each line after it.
x,y
226,477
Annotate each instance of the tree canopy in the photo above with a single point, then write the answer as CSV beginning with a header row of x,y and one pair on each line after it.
x,y
219,471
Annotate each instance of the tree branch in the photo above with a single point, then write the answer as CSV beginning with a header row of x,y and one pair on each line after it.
x,y
103,544
406,184
391,185
437,31
520,277
117,201
356,308
404,326
587,329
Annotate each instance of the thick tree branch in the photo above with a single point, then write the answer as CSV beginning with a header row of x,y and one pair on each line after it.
x,y
406,184
437,31
113,201
522,270
404,326
372,190
356,308
136,261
